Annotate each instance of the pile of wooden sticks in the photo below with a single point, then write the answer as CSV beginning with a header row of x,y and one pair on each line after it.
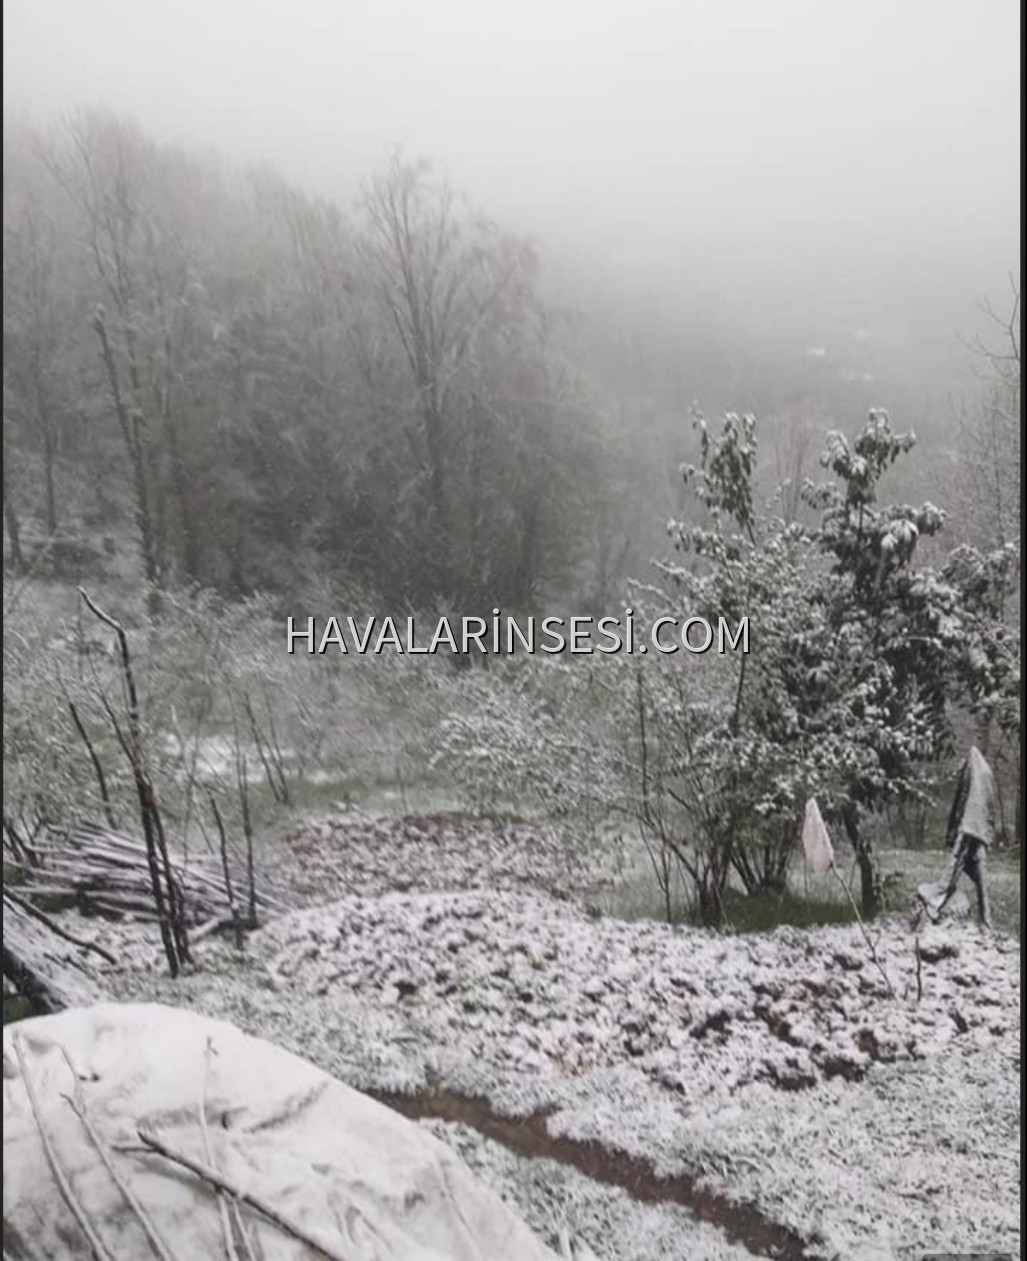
x,y
102,872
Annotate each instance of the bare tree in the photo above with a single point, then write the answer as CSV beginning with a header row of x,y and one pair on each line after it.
x,y
990,449
989,476
11,521
167,892
103,165
31,324
441,282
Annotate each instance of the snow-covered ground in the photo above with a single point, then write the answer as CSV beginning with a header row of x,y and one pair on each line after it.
x,y
358,853
774,1079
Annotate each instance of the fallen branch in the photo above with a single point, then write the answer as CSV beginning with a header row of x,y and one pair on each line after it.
x,y
100,870
99,1248
224,1183
40,966
77,1103
12,897
223,1202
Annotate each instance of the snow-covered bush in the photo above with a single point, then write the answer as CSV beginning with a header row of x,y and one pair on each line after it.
x,y
534,735
857,653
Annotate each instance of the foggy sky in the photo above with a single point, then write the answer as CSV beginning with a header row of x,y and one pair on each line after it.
x,y
855,153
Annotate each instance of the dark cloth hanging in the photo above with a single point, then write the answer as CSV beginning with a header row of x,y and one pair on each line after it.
x,y
971,829
974,810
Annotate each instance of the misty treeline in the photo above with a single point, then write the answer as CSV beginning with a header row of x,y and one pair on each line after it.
x,y
275,401
263,386
259,382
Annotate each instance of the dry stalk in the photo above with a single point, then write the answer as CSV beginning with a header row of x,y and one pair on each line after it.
x,y
99,1249
77,1103
223,1182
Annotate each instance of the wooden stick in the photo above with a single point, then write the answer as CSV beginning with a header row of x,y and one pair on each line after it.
x,y
101,778
226,1224
99,1248
77,1103
166,896
109,872
36,913
229,893
863,929
225,1183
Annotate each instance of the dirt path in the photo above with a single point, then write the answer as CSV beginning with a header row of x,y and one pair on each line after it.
x,y
529,1136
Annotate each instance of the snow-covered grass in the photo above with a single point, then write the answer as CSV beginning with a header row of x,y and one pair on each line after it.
x,y
774,1068
729,1058
359,853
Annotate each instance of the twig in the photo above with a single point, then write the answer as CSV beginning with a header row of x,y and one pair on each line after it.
x,y
99,1248
265,757
863,929
919,968
101,779
226,1224
275,750
229,892
227,1184
77,1103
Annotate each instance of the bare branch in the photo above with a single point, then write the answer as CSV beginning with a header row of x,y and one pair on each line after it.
x,y
224,1183
99,1249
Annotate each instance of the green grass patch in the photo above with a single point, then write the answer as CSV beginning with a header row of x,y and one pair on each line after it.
x,y
763,912
17,1008
811,901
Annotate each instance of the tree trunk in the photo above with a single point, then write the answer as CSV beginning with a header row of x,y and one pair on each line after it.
x,y
711,907
871,885
48,474
13,527
132,424
187,518
440,544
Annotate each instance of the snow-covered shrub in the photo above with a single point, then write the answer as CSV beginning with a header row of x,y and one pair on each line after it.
x,y
44,765
534,735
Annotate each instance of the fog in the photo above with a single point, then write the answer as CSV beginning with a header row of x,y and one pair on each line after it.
x,y
513,597
798,166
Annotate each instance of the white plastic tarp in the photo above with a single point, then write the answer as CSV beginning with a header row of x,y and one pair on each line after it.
x,y
340,1167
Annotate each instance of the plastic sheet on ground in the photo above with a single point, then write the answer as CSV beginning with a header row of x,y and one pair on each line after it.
x,y
339,1167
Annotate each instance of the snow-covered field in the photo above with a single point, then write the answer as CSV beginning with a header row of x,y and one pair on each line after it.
x,y
762,1095
358,853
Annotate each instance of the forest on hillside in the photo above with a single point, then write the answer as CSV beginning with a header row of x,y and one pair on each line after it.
x,y
222,388
259,387
499,950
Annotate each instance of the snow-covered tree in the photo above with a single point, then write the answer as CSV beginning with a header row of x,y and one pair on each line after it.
x,y
857,652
